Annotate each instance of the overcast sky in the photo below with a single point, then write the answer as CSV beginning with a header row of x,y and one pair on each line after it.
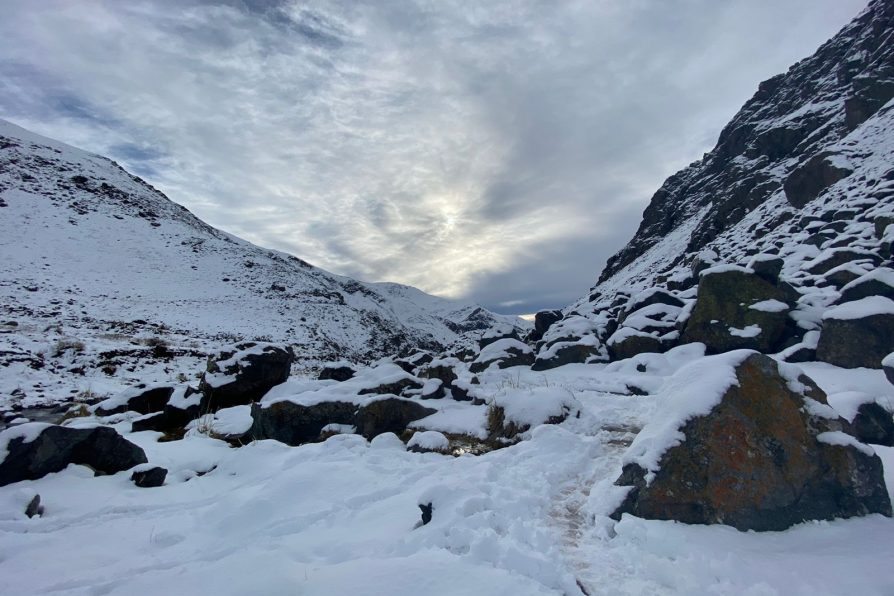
x,y
492,150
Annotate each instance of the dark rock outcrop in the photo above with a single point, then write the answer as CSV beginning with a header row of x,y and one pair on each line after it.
x,y
765,458
243,374
55,447
295,424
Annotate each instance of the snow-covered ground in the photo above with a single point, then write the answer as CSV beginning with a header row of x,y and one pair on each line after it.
x,y
342,516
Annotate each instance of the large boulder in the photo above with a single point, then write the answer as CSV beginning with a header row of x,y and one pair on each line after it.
x,y
857,334
627,342
243,374
295,424
736,309
35,449
752,444
389,415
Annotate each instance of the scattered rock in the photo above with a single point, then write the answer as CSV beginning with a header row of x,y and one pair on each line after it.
x,y
149,477
34,507
337,372
766,457
427,510
35,450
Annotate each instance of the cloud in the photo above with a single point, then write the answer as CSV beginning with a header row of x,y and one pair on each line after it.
x,y
499,151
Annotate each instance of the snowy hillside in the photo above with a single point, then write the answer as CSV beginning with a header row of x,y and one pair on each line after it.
x,y
98,267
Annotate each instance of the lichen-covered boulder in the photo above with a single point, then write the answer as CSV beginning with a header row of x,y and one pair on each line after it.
x,y
749,443
33,450
737,309
857,334
243,374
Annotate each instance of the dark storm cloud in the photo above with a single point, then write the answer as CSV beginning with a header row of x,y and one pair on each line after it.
x,y
499,151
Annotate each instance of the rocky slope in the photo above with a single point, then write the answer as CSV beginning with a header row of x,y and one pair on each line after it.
x,y
779,233
782,156
105,278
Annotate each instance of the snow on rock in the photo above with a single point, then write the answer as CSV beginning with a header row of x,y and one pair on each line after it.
x,y
859,309
428,441
681,401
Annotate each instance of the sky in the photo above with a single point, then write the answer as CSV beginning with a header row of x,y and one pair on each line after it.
x,y
496,151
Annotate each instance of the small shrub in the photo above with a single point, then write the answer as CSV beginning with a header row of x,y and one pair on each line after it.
x,y
65,345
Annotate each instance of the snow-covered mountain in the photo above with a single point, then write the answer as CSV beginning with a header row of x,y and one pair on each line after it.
x,y
813,140
96,260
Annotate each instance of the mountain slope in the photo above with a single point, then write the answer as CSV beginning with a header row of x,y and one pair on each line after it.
x,y
95,256
777,155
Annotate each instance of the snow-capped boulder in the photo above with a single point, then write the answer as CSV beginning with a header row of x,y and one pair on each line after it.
x,y
141,398
31,451
428,441
627,342
857,334
443,369
243,374
505,353
497,333
750,443
737,309
432,389
337,371
412,362
767,266
516,411
586,349
878,282
831,258
396,382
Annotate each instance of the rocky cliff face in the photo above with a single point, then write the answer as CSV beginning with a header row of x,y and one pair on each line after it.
x,y
782,151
